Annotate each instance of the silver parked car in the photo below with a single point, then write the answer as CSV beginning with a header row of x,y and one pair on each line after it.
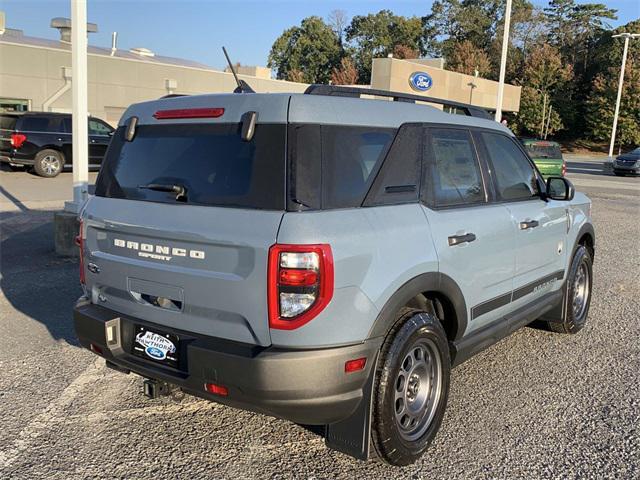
x,y
323,258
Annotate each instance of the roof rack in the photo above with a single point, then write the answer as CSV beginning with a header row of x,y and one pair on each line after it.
x,y
356,92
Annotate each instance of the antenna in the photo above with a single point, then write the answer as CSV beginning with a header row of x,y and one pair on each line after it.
x,y
243,87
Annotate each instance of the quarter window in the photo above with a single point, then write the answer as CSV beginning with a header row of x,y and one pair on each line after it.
x,y
515,178
455,172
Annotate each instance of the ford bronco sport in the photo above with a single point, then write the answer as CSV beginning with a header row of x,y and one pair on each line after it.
x,y
323,258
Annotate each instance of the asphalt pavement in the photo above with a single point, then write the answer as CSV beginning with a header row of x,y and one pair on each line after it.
x,y
536,405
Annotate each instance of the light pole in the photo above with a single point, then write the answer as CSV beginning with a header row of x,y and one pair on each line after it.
x,y
503,60
626,37
80,141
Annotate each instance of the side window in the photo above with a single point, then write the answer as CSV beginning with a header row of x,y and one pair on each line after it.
x,y
399,178
98,128
40,124
454,172
515,177
351,157
67,127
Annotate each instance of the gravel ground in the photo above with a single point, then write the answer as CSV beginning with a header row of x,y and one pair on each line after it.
x,y
536,405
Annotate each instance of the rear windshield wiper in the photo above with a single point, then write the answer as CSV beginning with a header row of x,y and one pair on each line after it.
x,y
179,190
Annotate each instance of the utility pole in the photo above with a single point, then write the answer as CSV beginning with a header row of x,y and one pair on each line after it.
x,y
503,60
626,37
66,221
80,142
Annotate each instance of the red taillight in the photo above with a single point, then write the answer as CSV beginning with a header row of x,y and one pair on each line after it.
x,y
17,139
189,113
295,277
355,365
564,169
216,389
300,283
80,244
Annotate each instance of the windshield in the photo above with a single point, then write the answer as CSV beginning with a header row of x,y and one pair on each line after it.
x,y
544,151
200,164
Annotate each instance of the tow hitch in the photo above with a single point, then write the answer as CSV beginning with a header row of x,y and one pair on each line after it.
x,y
153,389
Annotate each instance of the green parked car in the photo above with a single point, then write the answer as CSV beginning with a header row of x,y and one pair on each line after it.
x,y
547,156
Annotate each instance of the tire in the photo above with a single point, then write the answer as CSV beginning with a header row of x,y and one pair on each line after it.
x,y
48,163
579,290
401,435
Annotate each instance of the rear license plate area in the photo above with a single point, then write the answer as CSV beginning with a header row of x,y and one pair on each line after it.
x,y
157,346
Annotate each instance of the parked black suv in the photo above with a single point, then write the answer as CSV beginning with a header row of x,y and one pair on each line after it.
x,y
42,140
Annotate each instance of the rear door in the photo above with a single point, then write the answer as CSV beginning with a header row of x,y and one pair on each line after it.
x,y
474,238
540,226
195,261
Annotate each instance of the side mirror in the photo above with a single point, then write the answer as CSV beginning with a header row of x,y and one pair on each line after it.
x,y
559,188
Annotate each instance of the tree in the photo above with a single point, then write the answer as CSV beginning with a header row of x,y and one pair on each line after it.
x,y
467,58
346,74
338,22
600,103
404,52
376,35
545,78
307,53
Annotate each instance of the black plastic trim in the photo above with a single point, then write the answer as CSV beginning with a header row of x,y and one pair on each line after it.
x,y
304,386
506,298
427,282
483,338
355,92
520,292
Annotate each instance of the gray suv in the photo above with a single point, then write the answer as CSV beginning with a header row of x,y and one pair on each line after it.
x,y
323,258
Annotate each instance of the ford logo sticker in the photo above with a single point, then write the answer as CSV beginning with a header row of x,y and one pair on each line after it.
x,y
420,81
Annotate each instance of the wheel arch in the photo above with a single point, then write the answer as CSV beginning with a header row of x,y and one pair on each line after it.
x,y
57,148
441,290
587,237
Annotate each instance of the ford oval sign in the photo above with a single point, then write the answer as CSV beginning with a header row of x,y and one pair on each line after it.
x,y
420,81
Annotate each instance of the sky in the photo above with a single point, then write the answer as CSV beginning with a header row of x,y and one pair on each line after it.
x,y
196,29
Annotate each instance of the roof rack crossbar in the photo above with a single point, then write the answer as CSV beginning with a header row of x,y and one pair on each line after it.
x,y
356,92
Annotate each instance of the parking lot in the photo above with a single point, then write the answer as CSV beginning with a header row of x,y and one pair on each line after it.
x,y
535,405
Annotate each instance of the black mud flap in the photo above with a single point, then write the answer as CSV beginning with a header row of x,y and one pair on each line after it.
x,y
558,314
353,435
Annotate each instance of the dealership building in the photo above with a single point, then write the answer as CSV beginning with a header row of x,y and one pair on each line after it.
x,y
35,74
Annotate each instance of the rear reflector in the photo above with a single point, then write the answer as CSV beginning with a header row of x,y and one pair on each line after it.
x,y
95,349
216,389
355,365
189,113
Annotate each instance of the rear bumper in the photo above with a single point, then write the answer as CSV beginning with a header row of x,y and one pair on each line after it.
x,y
7,157
303,386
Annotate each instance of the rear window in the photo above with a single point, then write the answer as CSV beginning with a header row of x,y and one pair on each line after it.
x,y
333,166
544,151
211,162
7,122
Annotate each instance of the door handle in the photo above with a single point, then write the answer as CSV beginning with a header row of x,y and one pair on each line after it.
x,y
528,224
458,239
